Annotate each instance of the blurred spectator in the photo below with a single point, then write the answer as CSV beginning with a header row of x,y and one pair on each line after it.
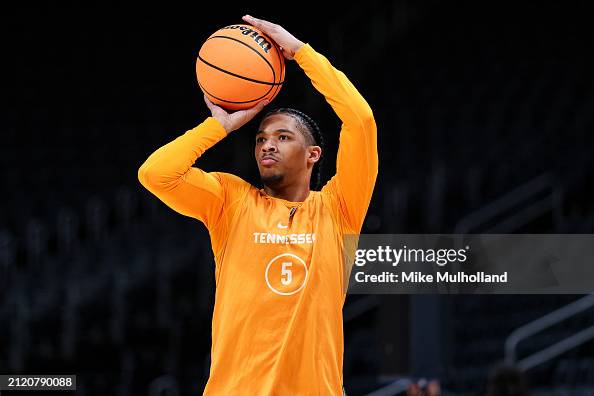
x,y
424,388
507,381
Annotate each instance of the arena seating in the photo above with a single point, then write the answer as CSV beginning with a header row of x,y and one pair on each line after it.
x,y
99,278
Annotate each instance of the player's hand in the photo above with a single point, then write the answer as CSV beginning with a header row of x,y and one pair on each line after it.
x,y
237,119
285,40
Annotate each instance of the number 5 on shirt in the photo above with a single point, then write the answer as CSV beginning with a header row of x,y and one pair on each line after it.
x,y
284,271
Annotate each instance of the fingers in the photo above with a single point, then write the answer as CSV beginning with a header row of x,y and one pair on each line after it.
x,y
262,104
209,104
213,107
259,23
244,116
257,108
289,44
239,118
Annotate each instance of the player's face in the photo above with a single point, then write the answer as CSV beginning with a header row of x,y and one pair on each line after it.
x,y
281,151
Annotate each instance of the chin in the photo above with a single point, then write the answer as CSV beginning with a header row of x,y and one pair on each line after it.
x,y
271,179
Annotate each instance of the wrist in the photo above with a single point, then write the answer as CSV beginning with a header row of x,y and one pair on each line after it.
x,y
297,47
301,50
224,124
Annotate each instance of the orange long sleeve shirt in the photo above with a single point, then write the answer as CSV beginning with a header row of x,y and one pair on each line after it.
x,y
280,271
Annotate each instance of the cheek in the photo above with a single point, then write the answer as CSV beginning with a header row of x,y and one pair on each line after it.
x,y
297,156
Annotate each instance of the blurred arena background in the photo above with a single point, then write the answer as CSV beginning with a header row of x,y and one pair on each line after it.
x,y
485,122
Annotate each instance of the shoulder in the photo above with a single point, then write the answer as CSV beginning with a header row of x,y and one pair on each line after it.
x,y
334,202
329,191
229,179
233,184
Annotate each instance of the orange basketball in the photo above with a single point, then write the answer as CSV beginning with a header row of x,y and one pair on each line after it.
x,y
238,66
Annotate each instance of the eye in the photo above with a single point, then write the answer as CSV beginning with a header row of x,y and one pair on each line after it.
x,y
259,139
283,137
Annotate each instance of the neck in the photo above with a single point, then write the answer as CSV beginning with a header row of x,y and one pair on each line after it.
x,y
293,193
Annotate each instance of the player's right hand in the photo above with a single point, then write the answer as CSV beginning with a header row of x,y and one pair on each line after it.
x,y
237,119
288,43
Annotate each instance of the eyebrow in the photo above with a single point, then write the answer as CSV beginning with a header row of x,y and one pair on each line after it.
x,y
277,131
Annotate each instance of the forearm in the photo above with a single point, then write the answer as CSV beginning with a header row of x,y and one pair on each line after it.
x,y
357,153
348,104
166,166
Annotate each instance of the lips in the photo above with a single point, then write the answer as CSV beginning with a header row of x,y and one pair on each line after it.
x,y
268,160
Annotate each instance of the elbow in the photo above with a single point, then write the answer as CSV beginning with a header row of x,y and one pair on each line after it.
x,y
145,177
368,120
374,159
370,127
155,179
374,167
367,114
142,178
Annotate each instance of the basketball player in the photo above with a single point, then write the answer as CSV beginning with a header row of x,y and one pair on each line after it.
x,y
280,272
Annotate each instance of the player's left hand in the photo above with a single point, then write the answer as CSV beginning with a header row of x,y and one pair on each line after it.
x,y
235,120
285,40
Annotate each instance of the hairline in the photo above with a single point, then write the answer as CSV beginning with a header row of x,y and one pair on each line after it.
x,y
304,129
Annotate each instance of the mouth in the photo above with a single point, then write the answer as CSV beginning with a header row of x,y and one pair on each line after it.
x,y
268,160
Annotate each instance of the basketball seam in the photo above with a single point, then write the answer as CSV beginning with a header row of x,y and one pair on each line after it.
x,y
270,88
282,62
236,75
239,76
250,47
230,101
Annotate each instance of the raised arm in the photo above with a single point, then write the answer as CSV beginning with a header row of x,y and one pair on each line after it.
x,y
168,172
357,160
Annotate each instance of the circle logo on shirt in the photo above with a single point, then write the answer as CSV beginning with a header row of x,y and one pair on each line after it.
x,y
286,274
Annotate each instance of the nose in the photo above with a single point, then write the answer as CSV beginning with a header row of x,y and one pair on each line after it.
x,y
269,146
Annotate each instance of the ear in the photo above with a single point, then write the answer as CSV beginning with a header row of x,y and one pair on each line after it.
x,y
314,154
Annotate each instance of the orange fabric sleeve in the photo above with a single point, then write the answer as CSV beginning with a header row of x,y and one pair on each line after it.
x,y
168,174
357,160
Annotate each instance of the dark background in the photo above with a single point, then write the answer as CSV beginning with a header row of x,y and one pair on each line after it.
x,y
475,102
